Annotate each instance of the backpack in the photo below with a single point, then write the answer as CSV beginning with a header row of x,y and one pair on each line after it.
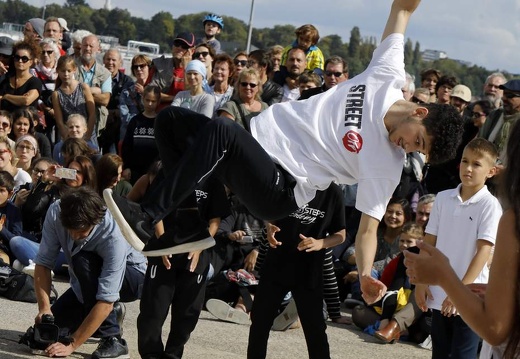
x,y
18,286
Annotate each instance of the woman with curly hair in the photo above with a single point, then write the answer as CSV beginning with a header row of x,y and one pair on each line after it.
x,y
20,88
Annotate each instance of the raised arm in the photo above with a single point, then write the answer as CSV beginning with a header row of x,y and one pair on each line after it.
x,y
399,15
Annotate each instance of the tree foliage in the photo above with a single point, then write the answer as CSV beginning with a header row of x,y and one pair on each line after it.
x,y
163,27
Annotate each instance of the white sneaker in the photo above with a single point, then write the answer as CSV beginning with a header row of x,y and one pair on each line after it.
x,y
29,270
227,313
427,344
18,265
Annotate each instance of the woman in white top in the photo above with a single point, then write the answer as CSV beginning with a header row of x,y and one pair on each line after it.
x,y
195,98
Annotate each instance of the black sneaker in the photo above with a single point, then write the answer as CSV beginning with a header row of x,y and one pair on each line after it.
x,y
135,224
189,233
120,310
111,347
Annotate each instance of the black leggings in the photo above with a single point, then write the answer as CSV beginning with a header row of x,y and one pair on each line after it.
x,y
194,147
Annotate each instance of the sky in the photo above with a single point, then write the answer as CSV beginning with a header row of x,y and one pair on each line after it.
x,y
482,32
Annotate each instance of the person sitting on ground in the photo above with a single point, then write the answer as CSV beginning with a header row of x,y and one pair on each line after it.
x,y
108,171
10,217
76,128
26,151
103,269
7,160
397,311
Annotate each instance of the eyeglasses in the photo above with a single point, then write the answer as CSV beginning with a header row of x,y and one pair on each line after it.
x,y
48,52
184,45
38,171
198,54
511,94
139,66
336,74
478,114
250,84
5,124
25,148
24,59
416,100
240,62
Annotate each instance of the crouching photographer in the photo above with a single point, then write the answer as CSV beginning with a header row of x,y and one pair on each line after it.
x,y
103,269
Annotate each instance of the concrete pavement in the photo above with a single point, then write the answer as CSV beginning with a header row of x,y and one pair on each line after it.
x,y
211,339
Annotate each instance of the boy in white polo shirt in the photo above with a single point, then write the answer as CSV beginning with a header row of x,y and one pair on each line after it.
x,y
463,225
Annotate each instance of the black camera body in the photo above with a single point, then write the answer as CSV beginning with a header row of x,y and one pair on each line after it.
x,y
42,334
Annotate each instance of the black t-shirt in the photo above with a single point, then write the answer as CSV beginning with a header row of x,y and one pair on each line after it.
x,y
322,216
33,83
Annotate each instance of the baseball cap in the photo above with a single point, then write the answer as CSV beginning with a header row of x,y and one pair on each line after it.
x,y
38,25
511,85
187,37
461,91
6,45
63,23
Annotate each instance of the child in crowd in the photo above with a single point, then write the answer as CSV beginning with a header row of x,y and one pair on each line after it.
x,y
213,25
139,150
308,80
294,263
76,128
307,37
463,225
10,217
72,97
397,310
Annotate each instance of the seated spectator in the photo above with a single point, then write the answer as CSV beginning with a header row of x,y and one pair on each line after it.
x,y
222,89
25,120
397,311
103,271
307,37
131,100
73,147
246,103
108,171
7,160
139,149
26,151
195,98
10,217
76,128
20,88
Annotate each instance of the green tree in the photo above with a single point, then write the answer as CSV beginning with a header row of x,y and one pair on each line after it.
x,y
161,30
17,11
408,52
73,3
354,43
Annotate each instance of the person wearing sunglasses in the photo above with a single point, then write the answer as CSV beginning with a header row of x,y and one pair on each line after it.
x,y
46,72
169,71
336,71
500,121
20,88
240,62
247,102
130,101
479,113
260,60
205,53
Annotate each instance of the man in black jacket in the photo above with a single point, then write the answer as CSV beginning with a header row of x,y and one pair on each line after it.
x,y
261,62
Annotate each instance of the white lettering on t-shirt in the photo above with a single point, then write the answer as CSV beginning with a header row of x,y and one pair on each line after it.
x,y
352,140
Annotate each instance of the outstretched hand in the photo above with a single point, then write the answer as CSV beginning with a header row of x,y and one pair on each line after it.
x,y
310,244
271,232
372,289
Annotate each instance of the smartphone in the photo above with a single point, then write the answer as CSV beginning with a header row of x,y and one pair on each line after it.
x,y
66,173
245,239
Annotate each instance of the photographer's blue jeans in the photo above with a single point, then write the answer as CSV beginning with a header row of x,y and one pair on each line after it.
x,y
69,312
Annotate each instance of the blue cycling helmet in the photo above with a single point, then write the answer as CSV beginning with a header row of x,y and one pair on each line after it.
x,y
215,18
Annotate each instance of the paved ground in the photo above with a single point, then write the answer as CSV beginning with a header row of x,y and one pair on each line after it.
x,y
211,339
